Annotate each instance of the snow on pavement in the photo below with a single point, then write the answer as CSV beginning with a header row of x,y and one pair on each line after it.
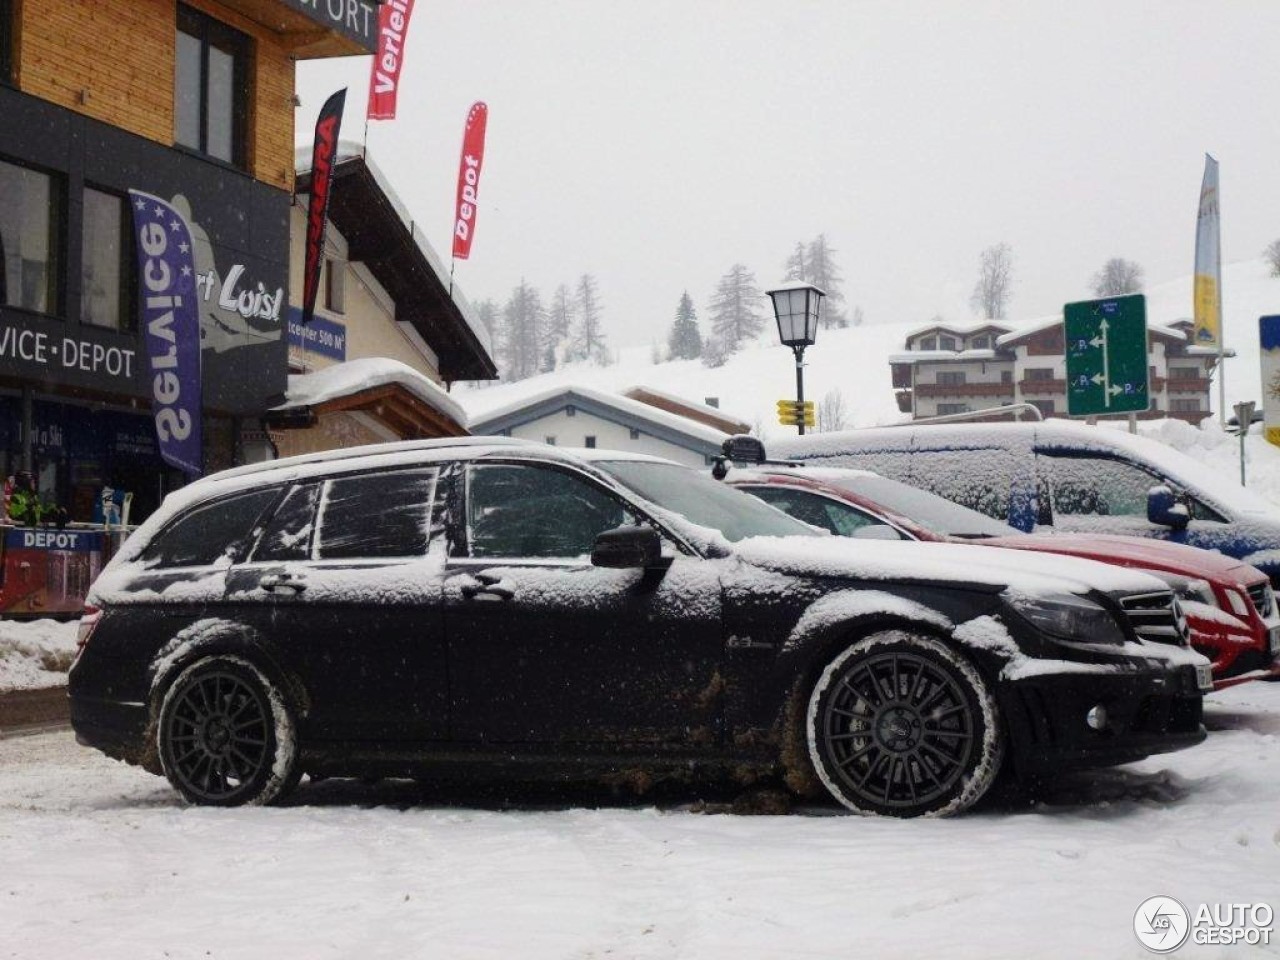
x,y
102,860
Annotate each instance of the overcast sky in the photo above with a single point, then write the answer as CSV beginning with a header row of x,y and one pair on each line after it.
x,y
654,143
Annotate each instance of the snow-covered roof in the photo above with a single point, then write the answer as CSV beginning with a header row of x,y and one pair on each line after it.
x,y
962,329
916,356
1048,323
366,373
694,406
550,401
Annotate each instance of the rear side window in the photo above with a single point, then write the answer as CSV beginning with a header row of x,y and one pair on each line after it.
x,y
288,535
203,535
376,515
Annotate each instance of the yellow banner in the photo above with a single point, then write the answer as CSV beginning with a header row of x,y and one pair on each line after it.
x,y
1208,323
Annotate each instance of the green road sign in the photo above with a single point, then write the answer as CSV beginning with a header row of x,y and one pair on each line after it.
x,y
1106,355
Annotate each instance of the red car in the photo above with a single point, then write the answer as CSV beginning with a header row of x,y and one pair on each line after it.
x,y
1230,607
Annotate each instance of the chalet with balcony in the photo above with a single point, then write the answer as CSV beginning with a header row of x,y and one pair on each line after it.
x,y
950,369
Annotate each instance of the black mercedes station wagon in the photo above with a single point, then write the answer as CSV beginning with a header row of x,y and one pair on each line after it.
x,y
472,606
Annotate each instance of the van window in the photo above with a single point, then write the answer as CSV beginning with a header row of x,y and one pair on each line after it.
x,y
376,515
205,534
1097,486
978,479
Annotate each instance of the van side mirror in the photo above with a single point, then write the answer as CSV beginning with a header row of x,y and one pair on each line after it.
x,y
627,548
1164,509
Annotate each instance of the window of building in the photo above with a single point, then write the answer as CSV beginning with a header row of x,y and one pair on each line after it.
x,y
951,377
981,343
1044,406
6,41
947,343
589,442
30,211
1039,373
1006,376
549,441
570,411
945,408
1184,373
928,343
1184,405
335,285
106,290
211,81
635,434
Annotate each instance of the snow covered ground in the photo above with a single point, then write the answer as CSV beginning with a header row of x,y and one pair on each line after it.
x,y
101,860
35,653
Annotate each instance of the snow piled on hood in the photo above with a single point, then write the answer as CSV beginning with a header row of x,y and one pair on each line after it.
x,y
1019,570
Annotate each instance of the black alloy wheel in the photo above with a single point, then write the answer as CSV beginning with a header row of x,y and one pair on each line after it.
x,y
902,725
225,735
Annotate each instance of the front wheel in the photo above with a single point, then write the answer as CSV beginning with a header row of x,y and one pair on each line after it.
x,y
226,736
901,725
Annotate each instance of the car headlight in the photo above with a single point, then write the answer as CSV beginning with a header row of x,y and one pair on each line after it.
x,y
1071,617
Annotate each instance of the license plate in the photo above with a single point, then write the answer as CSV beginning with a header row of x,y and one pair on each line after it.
x,y
1274,638
1204,676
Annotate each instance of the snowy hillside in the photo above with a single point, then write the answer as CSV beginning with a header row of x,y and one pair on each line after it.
x,y
855,361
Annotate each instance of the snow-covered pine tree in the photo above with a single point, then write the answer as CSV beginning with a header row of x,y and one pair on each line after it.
x,y
525,321
487,313
560,319
736,309
589,340
797,267
824,275
685,340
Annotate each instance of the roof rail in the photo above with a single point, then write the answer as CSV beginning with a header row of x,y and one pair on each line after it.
x,y
393,446
1008,409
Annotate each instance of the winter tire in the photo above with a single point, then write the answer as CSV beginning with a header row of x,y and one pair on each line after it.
x,y
901,725
226,736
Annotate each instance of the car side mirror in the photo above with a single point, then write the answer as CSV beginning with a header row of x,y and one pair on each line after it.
x,y
876,531
1164,509
627,548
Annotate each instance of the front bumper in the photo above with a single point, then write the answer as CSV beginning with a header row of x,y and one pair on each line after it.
x,y
1143,713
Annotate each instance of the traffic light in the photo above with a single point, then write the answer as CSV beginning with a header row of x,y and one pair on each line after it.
x,y
792,413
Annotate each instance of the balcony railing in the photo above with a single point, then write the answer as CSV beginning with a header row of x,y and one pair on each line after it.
x,y
1042,386
1188,385
964,390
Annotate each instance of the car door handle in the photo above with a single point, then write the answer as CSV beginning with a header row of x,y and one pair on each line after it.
x,y
486,591
281,583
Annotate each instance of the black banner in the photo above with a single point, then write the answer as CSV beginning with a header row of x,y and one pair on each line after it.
x,y
323,152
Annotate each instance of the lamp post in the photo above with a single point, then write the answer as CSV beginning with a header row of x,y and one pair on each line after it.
x,y
796,307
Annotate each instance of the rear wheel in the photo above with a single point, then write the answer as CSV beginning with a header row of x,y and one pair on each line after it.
x,y
226,736
901,725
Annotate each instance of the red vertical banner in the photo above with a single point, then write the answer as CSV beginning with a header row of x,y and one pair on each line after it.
x,y
464,221
384,75
323,152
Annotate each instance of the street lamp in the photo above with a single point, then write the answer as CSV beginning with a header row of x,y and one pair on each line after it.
x,y
796,307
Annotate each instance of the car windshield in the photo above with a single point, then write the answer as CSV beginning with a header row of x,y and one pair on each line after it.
x,y
704,501
929,510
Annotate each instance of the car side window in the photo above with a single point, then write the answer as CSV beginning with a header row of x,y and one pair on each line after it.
x,y
202,536
980,479
375,515
816,510
1097,486
288,535
519,510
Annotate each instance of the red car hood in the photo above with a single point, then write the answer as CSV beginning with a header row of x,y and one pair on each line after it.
x,y
1137,552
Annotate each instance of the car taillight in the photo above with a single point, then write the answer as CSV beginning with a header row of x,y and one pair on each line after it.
x,y
88,622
